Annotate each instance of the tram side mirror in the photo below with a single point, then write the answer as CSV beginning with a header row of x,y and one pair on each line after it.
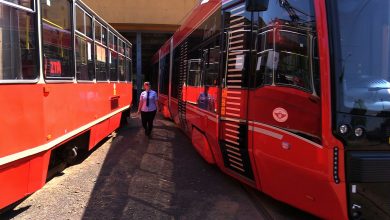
x,y
256,5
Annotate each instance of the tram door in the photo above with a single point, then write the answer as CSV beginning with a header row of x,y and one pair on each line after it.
x,y
233,129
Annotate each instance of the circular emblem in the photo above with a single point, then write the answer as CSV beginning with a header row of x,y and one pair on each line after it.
x,y
280,114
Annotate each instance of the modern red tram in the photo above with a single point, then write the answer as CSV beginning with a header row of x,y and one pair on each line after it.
x,y
291,97
65,84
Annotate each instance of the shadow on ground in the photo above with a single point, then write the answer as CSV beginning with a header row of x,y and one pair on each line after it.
x,y
162,177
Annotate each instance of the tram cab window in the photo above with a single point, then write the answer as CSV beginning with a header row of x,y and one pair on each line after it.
x,y
18,58
291,60
265,57
57,38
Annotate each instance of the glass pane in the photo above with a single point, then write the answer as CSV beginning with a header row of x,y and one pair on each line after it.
x,y
80,20
57,38
364,28
101,63
98,32
84,62
24,3
115,43
18,58
292,69
113,61
88,26
128,70
110,40
121,67
104,35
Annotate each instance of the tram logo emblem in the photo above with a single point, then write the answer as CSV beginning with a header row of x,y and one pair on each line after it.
x,y
280,114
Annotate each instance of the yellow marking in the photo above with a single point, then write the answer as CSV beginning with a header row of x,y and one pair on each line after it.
x,y
52,23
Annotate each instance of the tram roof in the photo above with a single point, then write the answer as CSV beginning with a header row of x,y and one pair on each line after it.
x,y
195,18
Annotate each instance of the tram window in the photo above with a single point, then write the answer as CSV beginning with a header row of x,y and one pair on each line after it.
x,y
24,3
115,43
121,47
101,63
80,25
175,73
316,68
113,61
292,60
129,71
212,66
121,68
88,26
128,51
98,32
194,72
164,77
264,68
266,41
84,61
104,35
57,35
18,57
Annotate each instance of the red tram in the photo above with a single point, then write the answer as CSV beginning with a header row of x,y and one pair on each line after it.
x,y
65,84
291,97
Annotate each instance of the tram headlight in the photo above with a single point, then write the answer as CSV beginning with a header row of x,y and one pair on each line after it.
x,y
343,129
359,132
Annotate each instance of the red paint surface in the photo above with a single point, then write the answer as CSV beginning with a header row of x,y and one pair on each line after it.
x,y
35,114
287,167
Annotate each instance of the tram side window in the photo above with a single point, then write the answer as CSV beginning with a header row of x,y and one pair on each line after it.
x,y
194,72
98,32
212,61
113,57
101,63
164,78
121,68
101,52
176,73
129,69
57,38
18,56
84,52
24,3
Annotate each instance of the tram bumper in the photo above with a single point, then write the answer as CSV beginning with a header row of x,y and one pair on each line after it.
x,y
368,175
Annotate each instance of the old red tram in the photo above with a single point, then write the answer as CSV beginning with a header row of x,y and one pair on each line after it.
x,y
65,84
291,97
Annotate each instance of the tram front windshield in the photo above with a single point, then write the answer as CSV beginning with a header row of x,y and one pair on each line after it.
x,y
363,79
